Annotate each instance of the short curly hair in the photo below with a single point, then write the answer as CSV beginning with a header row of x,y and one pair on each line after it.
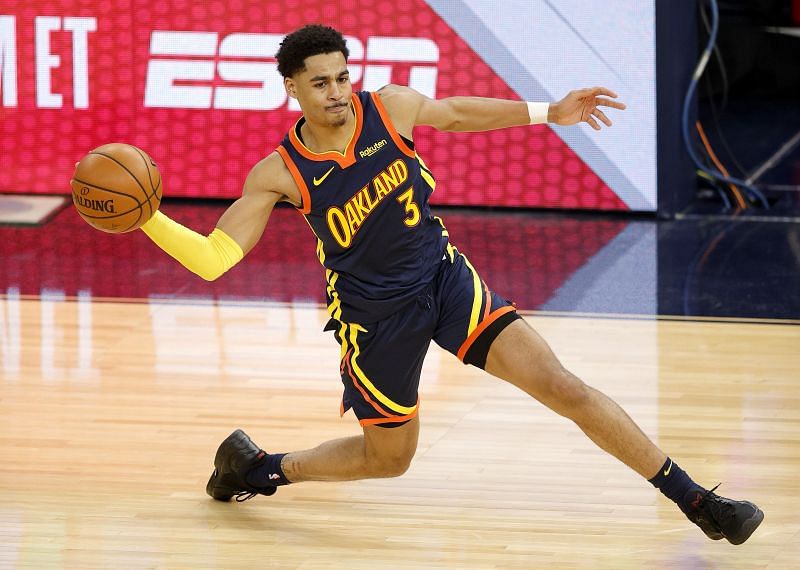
x,y
309,40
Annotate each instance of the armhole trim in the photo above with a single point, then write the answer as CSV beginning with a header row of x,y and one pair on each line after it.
x,y
387,122
305,206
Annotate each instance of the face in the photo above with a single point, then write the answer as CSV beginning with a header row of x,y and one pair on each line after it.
x,y
323,89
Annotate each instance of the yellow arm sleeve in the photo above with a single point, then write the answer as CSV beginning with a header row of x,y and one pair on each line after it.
x,y
207,256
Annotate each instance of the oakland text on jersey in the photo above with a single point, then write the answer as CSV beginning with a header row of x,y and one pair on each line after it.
x,y
343,223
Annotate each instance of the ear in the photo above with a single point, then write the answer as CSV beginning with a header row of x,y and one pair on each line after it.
x,y
291,88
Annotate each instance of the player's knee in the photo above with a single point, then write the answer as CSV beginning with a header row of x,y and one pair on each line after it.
x,y
565,390
393,467
389,464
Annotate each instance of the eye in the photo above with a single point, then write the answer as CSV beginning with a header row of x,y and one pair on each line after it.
x,y
319,85
344,79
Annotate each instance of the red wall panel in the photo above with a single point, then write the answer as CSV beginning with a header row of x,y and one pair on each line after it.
x,y
209,104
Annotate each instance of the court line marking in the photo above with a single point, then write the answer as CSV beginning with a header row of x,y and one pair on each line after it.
x,y
205,301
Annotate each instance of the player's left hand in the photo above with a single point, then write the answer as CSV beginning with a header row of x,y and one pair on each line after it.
x,y
583,105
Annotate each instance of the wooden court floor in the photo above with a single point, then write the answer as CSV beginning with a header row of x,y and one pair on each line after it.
x,y
110,413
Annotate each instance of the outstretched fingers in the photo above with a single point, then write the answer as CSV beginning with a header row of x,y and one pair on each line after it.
x,y
602,116
597,91
609,103
601,97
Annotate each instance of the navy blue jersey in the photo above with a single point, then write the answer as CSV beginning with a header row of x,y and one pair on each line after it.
x,y
369,209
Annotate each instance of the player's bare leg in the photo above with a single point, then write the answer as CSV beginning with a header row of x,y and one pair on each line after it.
x,y
379,452
520,356
242,469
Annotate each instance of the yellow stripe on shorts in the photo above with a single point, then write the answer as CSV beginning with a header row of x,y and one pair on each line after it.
x,y
380,396
476,299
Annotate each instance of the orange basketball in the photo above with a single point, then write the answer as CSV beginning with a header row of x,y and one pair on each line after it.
x,y
116,188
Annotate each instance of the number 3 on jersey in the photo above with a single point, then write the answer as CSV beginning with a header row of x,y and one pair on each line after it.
x,y
412,210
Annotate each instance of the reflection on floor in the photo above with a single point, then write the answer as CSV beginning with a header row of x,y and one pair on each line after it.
x,y
111,412
542,261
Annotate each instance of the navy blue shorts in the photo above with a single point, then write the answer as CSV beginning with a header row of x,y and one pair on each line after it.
x,y
381,362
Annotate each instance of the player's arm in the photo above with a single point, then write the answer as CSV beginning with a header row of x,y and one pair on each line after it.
x,y
410,108
237,231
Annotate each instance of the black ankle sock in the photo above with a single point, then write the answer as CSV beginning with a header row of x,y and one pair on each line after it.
x,y
269,474
676,485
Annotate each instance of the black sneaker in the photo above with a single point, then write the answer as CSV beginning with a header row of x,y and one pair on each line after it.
x,y
719,517
235,457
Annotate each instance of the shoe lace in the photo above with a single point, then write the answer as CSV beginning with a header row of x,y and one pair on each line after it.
x,y
715,507
707,493
243,496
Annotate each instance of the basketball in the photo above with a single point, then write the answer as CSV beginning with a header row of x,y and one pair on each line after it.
x,y
116,188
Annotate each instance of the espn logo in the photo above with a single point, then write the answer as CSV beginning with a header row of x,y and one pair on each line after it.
x,y
196,70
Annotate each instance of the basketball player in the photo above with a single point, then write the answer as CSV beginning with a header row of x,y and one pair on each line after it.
x,y
395,282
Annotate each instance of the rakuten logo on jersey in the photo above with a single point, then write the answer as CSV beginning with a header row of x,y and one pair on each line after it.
x,y
184,65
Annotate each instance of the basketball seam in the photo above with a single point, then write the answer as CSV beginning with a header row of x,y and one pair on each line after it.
x,y
133,225
139,204
91,217
149,178
85,215
125,168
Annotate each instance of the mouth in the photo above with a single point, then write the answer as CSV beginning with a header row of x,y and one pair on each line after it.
x,y
338,108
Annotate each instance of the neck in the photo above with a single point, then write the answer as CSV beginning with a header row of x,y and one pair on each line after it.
x,y
321,138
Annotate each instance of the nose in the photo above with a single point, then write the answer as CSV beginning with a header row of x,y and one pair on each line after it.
x,y
335,92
